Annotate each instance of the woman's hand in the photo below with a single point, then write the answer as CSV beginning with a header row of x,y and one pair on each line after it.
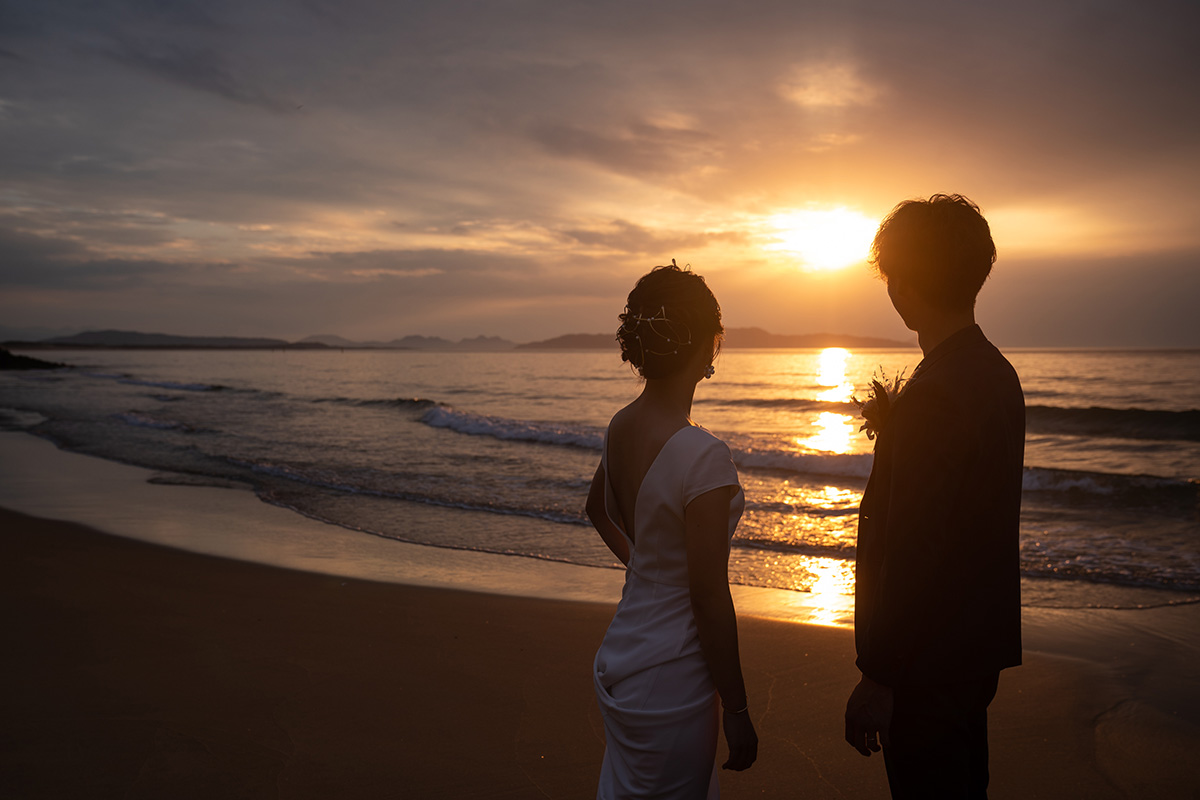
x,y
742,741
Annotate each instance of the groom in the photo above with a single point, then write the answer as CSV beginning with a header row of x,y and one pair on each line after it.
x,y
937,601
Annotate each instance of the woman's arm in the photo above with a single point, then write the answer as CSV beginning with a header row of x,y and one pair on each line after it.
x,y
706,520
598,514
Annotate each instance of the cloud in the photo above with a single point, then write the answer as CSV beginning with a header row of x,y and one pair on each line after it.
x,y
643,150
50,263
463,158
19,245
626,237
827,86
195,68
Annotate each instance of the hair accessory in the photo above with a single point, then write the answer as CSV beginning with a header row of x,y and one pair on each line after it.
x,y
709,371
675,333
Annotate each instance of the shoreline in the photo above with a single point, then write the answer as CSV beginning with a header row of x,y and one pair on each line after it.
x,y
39,479
1107,704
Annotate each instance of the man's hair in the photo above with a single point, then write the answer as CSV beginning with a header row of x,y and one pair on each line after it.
x,y
942,247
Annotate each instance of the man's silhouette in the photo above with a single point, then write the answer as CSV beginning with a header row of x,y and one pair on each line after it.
x,y
937,601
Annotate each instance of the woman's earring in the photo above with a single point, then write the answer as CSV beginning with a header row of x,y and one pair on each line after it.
x,y
710,371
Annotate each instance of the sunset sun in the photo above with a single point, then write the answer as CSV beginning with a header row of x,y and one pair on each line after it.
x,y
824,240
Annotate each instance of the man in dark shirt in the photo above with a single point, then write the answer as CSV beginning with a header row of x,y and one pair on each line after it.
x,y
937,600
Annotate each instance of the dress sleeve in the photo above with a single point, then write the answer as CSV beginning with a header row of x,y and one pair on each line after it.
x,y
711,468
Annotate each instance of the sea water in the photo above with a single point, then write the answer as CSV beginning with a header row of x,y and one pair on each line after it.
x,y
509,441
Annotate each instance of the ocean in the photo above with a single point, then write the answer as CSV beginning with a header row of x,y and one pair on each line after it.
x,y
494,452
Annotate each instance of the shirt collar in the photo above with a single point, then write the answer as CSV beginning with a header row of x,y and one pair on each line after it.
x,y
972,334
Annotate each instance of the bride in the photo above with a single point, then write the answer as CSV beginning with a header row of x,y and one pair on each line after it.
x,y
666,500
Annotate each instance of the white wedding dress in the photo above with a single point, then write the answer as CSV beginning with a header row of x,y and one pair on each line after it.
x,y
661,711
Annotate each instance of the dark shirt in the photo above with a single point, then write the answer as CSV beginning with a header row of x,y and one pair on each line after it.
x,y
938,594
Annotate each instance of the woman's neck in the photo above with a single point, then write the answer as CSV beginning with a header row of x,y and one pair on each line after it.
x,y
671,395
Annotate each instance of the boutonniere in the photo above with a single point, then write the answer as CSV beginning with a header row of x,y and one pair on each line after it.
x,y
877,408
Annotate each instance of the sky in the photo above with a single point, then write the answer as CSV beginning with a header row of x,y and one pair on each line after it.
x,y
378,168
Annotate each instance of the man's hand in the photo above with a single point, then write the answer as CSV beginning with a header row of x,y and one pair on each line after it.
x,y
742,740
868,716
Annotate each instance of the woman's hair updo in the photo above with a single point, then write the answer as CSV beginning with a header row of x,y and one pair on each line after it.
x,y
669,315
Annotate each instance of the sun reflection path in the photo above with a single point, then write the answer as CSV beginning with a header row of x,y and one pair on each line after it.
x,y
831,372
834,435
821,589
833,583
831,497
791,523
800,537
835,431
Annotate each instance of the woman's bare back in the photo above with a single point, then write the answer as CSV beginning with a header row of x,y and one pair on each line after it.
x,y
636,435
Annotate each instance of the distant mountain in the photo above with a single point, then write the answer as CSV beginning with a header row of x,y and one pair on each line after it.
x,y
111,338
734,338
574,341
329,340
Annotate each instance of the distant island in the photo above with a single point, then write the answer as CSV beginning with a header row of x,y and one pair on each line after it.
x,y
745,338
135,340
734,338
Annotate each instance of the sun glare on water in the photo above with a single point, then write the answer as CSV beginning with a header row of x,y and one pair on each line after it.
x,y
832,431
824,240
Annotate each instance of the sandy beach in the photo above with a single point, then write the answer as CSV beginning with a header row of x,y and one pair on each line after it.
x,y
139,670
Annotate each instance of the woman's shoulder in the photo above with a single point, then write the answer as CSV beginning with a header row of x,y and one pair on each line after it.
x,y
701,439
702,433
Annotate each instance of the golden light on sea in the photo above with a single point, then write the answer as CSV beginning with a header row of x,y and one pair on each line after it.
x,y
821,588
831,372
834,434
833,583
823,239
834,431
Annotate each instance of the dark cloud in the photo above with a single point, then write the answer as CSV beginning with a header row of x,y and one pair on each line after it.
x,y
104,275
29,260
195,68
644,151
78,229
19,247
364,288
628,238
